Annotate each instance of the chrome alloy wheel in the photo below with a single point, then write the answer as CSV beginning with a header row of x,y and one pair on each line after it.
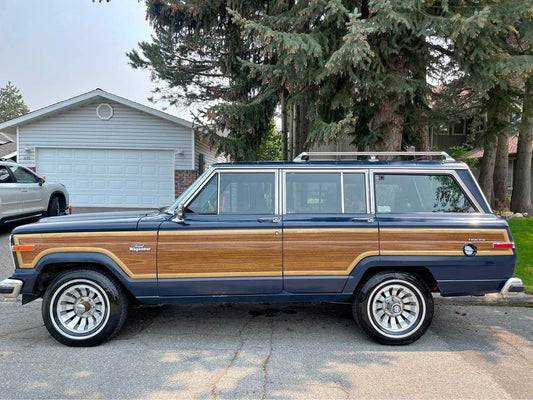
x,y
396,309
80,309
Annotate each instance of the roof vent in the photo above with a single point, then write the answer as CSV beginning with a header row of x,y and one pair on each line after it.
x,y
104,111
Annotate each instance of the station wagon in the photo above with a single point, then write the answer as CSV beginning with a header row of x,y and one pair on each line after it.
x,y
380,233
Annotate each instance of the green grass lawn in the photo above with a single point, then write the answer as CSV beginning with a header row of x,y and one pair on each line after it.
x,y
522,230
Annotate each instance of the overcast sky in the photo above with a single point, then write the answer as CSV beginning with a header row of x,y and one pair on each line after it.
x,y
53,50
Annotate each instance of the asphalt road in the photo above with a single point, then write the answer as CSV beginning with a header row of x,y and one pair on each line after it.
x,y
286,351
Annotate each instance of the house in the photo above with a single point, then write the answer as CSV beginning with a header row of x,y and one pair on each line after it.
x,y
8,146
109,151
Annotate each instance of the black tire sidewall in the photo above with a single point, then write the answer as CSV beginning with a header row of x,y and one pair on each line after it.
x,y
53,207
363,297
117,306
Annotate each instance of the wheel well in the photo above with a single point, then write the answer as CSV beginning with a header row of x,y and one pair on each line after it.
x,y
50,271
421,272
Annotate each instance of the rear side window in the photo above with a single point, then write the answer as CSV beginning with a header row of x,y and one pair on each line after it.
x,y
325,193
419,193
5,177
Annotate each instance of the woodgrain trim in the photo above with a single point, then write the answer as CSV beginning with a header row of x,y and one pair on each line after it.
x,y
140,265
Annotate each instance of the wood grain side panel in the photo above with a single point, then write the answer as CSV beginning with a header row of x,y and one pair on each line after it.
x,y
223,253
441,241
116,245
326,251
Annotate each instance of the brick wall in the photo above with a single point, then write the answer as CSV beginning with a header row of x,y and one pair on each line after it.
x,y
183,179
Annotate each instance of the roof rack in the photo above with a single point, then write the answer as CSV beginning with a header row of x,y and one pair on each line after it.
x,y
374,155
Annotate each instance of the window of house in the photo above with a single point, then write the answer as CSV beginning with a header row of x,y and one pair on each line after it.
x,y
419,193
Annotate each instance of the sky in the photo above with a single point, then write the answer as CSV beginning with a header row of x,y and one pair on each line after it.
x,y
52,50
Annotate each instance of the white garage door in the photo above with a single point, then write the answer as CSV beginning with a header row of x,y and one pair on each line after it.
x,y
111,178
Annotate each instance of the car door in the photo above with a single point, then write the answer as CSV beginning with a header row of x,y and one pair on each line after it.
x,y
10,199
328,228
31,190
229,242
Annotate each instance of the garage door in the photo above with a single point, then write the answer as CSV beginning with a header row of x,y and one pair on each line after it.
x,y
111,178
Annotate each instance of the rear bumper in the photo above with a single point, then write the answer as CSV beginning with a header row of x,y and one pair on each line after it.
x,y
10,287
513,285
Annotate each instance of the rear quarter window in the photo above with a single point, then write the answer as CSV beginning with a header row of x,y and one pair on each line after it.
x,y
401,193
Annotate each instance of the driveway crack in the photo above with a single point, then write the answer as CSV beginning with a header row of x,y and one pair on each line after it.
x,y
214,386
267,360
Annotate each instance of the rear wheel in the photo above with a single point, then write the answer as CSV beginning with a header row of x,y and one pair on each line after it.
x,y
394,308
84,308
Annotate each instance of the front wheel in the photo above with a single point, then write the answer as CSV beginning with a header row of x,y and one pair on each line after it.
x,y
393,308
84,308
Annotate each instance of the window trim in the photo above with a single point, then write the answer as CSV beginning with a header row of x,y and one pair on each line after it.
x,y
363,171
451,173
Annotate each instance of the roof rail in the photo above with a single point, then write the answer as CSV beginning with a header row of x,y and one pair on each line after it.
x,y
373,155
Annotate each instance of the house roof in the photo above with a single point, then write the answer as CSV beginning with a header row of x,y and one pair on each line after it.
x,y
11,125
513,145
8,145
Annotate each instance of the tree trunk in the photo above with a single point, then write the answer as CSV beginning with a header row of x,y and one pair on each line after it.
x,y
304,127
389,121
423,139
284,128
496,123
521,198
296,133
500,173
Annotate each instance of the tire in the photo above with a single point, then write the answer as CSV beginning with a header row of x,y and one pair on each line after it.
x,y
84,308
393,308
54,207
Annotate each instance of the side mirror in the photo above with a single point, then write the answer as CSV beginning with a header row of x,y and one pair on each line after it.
x,y
179,214
41,181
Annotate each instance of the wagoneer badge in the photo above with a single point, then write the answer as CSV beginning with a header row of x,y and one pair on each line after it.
x,y
139,247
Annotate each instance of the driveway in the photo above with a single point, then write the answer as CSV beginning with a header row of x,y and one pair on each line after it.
x,y
269,351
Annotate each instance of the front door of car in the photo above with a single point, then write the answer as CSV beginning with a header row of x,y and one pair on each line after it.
x,y
31,190
10,202
229,241
328,229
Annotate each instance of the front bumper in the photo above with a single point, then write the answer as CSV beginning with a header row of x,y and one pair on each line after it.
x,y
10,287
513,285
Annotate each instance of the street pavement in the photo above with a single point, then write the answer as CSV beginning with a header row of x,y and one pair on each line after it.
x,y
269,351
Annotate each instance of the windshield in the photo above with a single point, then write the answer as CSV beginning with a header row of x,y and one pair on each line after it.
x,y
188,191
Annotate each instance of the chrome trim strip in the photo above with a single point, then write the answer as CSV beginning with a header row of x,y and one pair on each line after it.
x,y
14,284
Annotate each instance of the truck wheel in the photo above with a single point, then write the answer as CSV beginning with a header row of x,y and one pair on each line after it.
x,y
84,308
393,308
53,207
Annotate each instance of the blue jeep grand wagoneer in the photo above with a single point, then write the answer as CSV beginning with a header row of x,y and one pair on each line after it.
x,y
380,233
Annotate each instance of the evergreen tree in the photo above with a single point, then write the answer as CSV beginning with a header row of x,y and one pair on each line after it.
x,y
196,54
11,103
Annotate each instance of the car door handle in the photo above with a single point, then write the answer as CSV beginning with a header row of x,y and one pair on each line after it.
x,y
273,220
368,220
24,189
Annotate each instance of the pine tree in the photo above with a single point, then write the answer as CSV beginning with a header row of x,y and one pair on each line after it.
x,y
11,103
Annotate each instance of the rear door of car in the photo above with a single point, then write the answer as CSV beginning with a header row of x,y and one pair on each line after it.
x,y
328,228
10,194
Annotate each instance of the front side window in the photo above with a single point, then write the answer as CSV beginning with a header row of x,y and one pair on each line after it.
x,y
247,193
5,176
236,193
22,175
397,193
